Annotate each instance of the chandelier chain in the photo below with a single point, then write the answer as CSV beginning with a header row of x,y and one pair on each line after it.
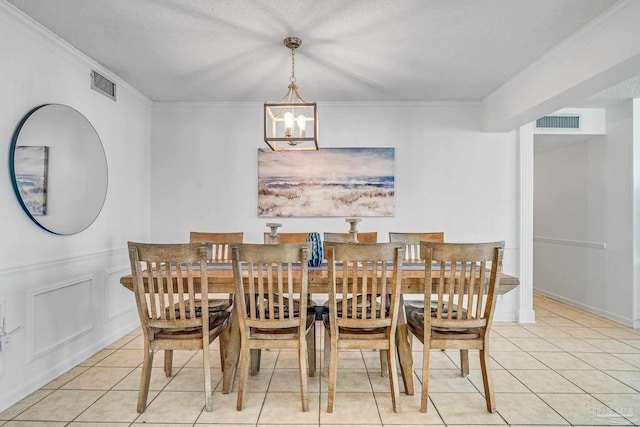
x,y
293,66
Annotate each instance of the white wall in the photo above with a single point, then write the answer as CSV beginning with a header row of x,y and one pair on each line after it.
x,y
450,175
583,212
64,290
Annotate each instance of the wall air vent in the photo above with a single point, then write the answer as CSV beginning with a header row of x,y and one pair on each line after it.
x,y
101,84
558,122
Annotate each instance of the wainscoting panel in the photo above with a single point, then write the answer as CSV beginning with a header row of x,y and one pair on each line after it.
x,y
118,299
60,314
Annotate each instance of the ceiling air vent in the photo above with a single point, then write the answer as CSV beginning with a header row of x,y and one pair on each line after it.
x,y
558,122
101,84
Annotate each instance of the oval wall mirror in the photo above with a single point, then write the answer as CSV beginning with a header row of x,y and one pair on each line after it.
x,y
58,169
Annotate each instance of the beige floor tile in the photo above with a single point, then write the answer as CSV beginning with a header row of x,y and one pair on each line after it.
x,y
114,406
174,407
122,342
437,360
594,381
605,361
288,380
633,359
36,424
132,381
560,322
98,378
516,360
66,377
224,409
474,359
574,345
547,381
90,424
534,344
632,379
287,406
61,405
192,379
619,333
610,345
255,383
582,332
627,405
381,384
503,382
126,359
409,411
521,408
349,360
447,381
349,381
24,404
560,360
351,408
547,331
464,408
512,331
501,344
581,409
268,359
167,425
99,356
633,343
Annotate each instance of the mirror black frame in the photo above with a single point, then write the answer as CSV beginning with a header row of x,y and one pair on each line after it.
x,y
12,171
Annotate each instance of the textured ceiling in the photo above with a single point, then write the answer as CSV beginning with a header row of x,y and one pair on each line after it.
x,y
356,50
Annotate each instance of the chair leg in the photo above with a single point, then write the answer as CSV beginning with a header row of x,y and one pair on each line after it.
x,y
333,373
464,362
206,362
384,368
145,378
393,377
302,367
168,362
311,349
255,361
327,353
223,339
486,381
425,375
244,373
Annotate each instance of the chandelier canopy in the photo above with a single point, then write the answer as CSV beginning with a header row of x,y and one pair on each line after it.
x,y
291,123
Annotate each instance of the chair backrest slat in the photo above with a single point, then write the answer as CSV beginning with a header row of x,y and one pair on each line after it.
x,y
273,270
412,241
287,237
162,301
465,294
220,243
366,275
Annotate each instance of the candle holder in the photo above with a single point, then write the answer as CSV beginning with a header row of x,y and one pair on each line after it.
x,y
353,229
274,231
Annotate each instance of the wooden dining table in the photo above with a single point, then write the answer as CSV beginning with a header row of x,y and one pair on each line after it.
x,y
220,280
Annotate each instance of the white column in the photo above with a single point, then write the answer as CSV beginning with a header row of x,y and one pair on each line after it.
x,y
525,313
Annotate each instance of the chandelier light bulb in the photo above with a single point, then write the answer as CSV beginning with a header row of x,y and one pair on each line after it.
x,y
302,124
288,125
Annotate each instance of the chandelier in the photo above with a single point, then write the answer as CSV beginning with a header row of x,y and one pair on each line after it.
x,y
291,123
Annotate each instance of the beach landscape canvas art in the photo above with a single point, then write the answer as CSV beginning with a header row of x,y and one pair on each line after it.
x,y
329,182
31,163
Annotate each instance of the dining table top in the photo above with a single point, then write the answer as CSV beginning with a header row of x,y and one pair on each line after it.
x,y
220,278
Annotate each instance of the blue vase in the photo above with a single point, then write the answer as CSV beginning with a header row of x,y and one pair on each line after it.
x,y
316,249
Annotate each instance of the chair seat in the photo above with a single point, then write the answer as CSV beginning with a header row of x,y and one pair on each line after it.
x,y
284,332
354,331
216,320
415,319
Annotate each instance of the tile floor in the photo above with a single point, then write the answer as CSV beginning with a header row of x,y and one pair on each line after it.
x,y
570,368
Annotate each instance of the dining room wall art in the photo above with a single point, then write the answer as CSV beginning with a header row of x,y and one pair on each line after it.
x,y
330,182
31,164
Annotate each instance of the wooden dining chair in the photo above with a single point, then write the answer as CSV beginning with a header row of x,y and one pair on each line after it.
x,y
169,316
272,313
364,297
363,237
219,245
412,241
468,276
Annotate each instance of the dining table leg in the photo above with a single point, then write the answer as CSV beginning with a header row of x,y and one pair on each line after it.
x,y
404,350
232,353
